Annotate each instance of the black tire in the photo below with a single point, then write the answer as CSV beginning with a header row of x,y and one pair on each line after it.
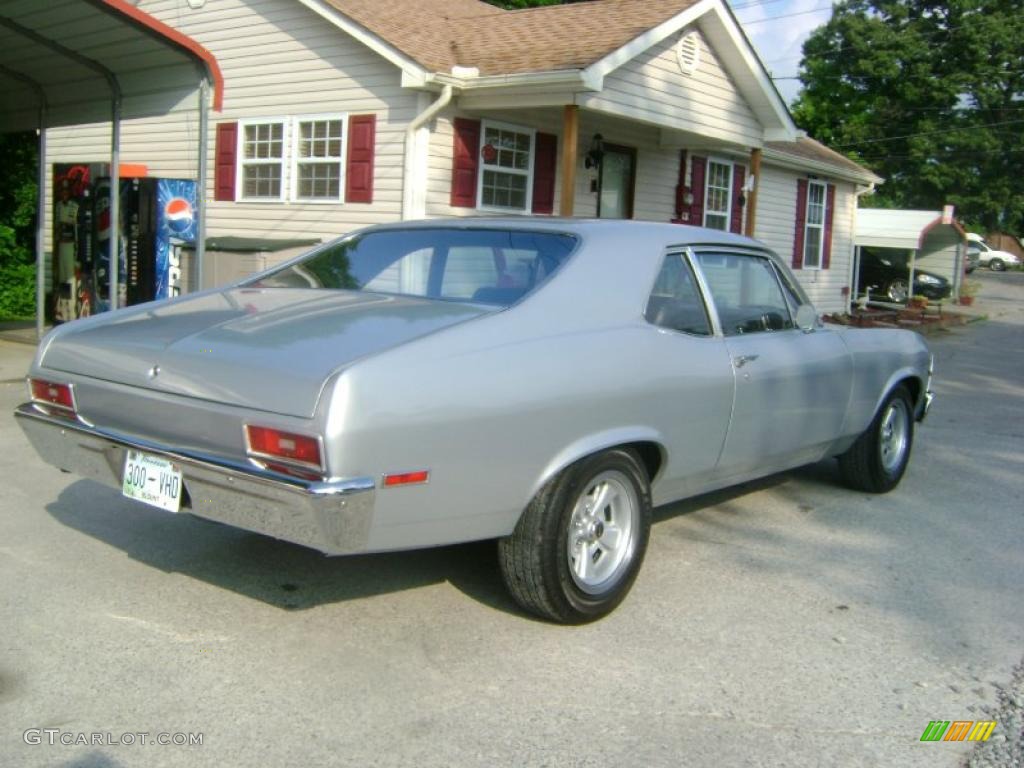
x,y
536,561
870,464
897,291
996,265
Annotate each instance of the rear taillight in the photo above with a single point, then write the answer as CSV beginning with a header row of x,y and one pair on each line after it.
x,y
285,450
52,394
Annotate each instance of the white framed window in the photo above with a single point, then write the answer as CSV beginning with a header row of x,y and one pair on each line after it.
x,y
814,226
718,194
262,151
318,164
506,167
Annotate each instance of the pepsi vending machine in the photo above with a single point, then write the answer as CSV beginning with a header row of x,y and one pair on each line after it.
x,y
157,221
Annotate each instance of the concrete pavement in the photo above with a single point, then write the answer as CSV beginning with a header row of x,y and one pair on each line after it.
x,y
788,622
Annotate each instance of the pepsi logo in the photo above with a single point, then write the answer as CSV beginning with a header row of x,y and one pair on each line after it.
x,y
178,214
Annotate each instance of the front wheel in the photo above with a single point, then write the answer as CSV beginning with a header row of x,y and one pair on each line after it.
x,y
578,546
877,461
896,291
996,265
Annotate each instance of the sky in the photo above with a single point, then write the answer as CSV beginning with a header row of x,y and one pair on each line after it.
x,y
778,29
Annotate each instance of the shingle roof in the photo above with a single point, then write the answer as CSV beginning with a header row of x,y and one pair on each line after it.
x,y
808,149
439,34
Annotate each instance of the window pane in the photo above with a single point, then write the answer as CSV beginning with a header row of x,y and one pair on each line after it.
x,y
263,142
504,190
716,221
746,292
319,181
263,180
812,246
319,138
675,302
513,148
717,195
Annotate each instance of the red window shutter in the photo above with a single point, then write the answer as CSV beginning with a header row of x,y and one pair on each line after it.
x,y
739,175
545,160
682,212
362,133
225,156
801,222
697,171
830,208
465,159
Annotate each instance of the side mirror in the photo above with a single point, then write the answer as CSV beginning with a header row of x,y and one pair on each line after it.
x,y
806,318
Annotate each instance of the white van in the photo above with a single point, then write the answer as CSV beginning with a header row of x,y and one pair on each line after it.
x,y
997,261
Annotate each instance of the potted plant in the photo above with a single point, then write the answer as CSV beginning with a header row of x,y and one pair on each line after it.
x,y
968,291
918,302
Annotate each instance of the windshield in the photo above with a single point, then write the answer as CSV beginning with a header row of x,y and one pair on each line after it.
x,y
489,266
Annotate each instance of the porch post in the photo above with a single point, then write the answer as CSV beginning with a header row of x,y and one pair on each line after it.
x,y
570,144
755,176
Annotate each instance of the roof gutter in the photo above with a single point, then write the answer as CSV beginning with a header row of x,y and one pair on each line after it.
x,y
775,157
414,177
576,78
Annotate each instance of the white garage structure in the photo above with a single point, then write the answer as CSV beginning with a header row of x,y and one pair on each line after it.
x,y
73,62
930,240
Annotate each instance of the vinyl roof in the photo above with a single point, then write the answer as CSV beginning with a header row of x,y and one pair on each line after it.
x,y
70,55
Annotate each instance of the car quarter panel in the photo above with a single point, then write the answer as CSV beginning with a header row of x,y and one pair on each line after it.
x,y
495,407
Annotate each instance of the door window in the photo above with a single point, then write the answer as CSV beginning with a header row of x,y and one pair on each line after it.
x,y
615,187
746,292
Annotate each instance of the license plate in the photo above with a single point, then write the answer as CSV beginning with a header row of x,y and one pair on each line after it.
x,y
152,480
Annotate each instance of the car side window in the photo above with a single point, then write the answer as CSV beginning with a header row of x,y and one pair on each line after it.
x,y
675,302
747,293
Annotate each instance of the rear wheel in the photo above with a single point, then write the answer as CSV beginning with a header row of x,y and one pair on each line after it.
x,y
896,291
877,461
579,545
996,265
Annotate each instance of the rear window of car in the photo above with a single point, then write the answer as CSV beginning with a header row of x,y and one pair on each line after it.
x,y
488,266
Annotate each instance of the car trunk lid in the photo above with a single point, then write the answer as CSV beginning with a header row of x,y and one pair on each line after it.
x,y
267,349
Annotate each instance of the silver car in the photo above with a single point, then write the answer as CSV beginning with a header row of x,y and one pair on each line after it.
x,y
541,382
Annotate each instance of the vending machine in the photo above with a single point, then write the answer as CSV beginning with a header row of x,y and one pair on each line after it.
x,y
157,221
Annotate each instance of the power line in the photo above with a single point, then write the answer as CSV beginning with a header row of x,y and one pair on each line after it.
x,y
786,16
926,133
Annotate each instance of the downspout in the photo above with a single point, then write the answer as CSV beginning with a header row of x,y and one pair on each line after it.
x,y
410,180
855,261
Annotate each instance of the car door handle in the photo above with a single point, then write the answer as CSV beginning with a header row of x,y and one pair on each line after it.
x,y
740,360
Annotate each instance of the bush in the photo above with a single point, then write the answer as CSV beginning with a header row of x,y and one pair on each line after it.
x,y
17,290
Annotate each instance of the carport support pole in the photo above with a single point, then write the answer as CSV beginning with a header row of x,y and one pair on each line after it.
x,y
115,201
910,278
570,145
40,227
204,120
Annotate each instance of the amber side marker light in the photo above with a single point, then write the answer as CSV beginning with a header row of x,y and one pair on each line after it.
x,y
285,449
50,393
407,478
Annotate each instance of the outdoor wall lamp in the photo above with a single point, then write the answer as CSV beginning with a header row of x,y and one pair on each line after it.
x,y
596,152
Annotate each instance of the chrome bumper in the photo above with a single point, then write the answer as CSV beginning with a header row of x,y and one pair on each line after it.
x,y
926,406
333,516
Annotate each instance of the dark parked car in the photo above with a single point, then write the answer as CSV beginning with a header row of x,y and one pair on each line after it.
x,y
889,277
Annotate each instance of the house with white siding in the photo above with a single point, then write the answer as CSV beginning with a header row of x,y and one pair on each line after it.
x,y
342,113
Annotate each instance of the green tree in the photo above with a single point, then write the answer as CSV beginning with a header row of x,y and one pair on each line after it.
x,y
18,196
930,95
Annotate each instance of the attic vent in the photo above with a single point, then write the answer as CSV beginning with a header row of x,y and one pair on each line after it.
x,y
688,53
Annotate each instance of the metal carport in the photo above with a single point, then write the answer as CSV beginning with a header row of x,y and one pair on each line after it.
x,y
72,62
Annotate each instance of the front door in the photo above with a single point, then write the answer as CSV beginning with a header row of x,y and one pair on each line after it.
x,y
616,182
791,387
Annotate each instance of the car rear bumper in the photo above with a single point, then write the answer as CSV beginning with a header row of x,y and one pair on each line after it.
x,y
333,516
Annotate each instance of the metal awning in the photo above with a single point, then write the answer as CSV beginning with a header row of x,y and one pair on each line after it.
x,y
71,62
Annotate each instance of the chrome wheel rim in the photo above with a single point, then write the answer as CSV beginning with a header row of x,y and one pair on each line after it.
x,y
893,435
602,532
898,291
